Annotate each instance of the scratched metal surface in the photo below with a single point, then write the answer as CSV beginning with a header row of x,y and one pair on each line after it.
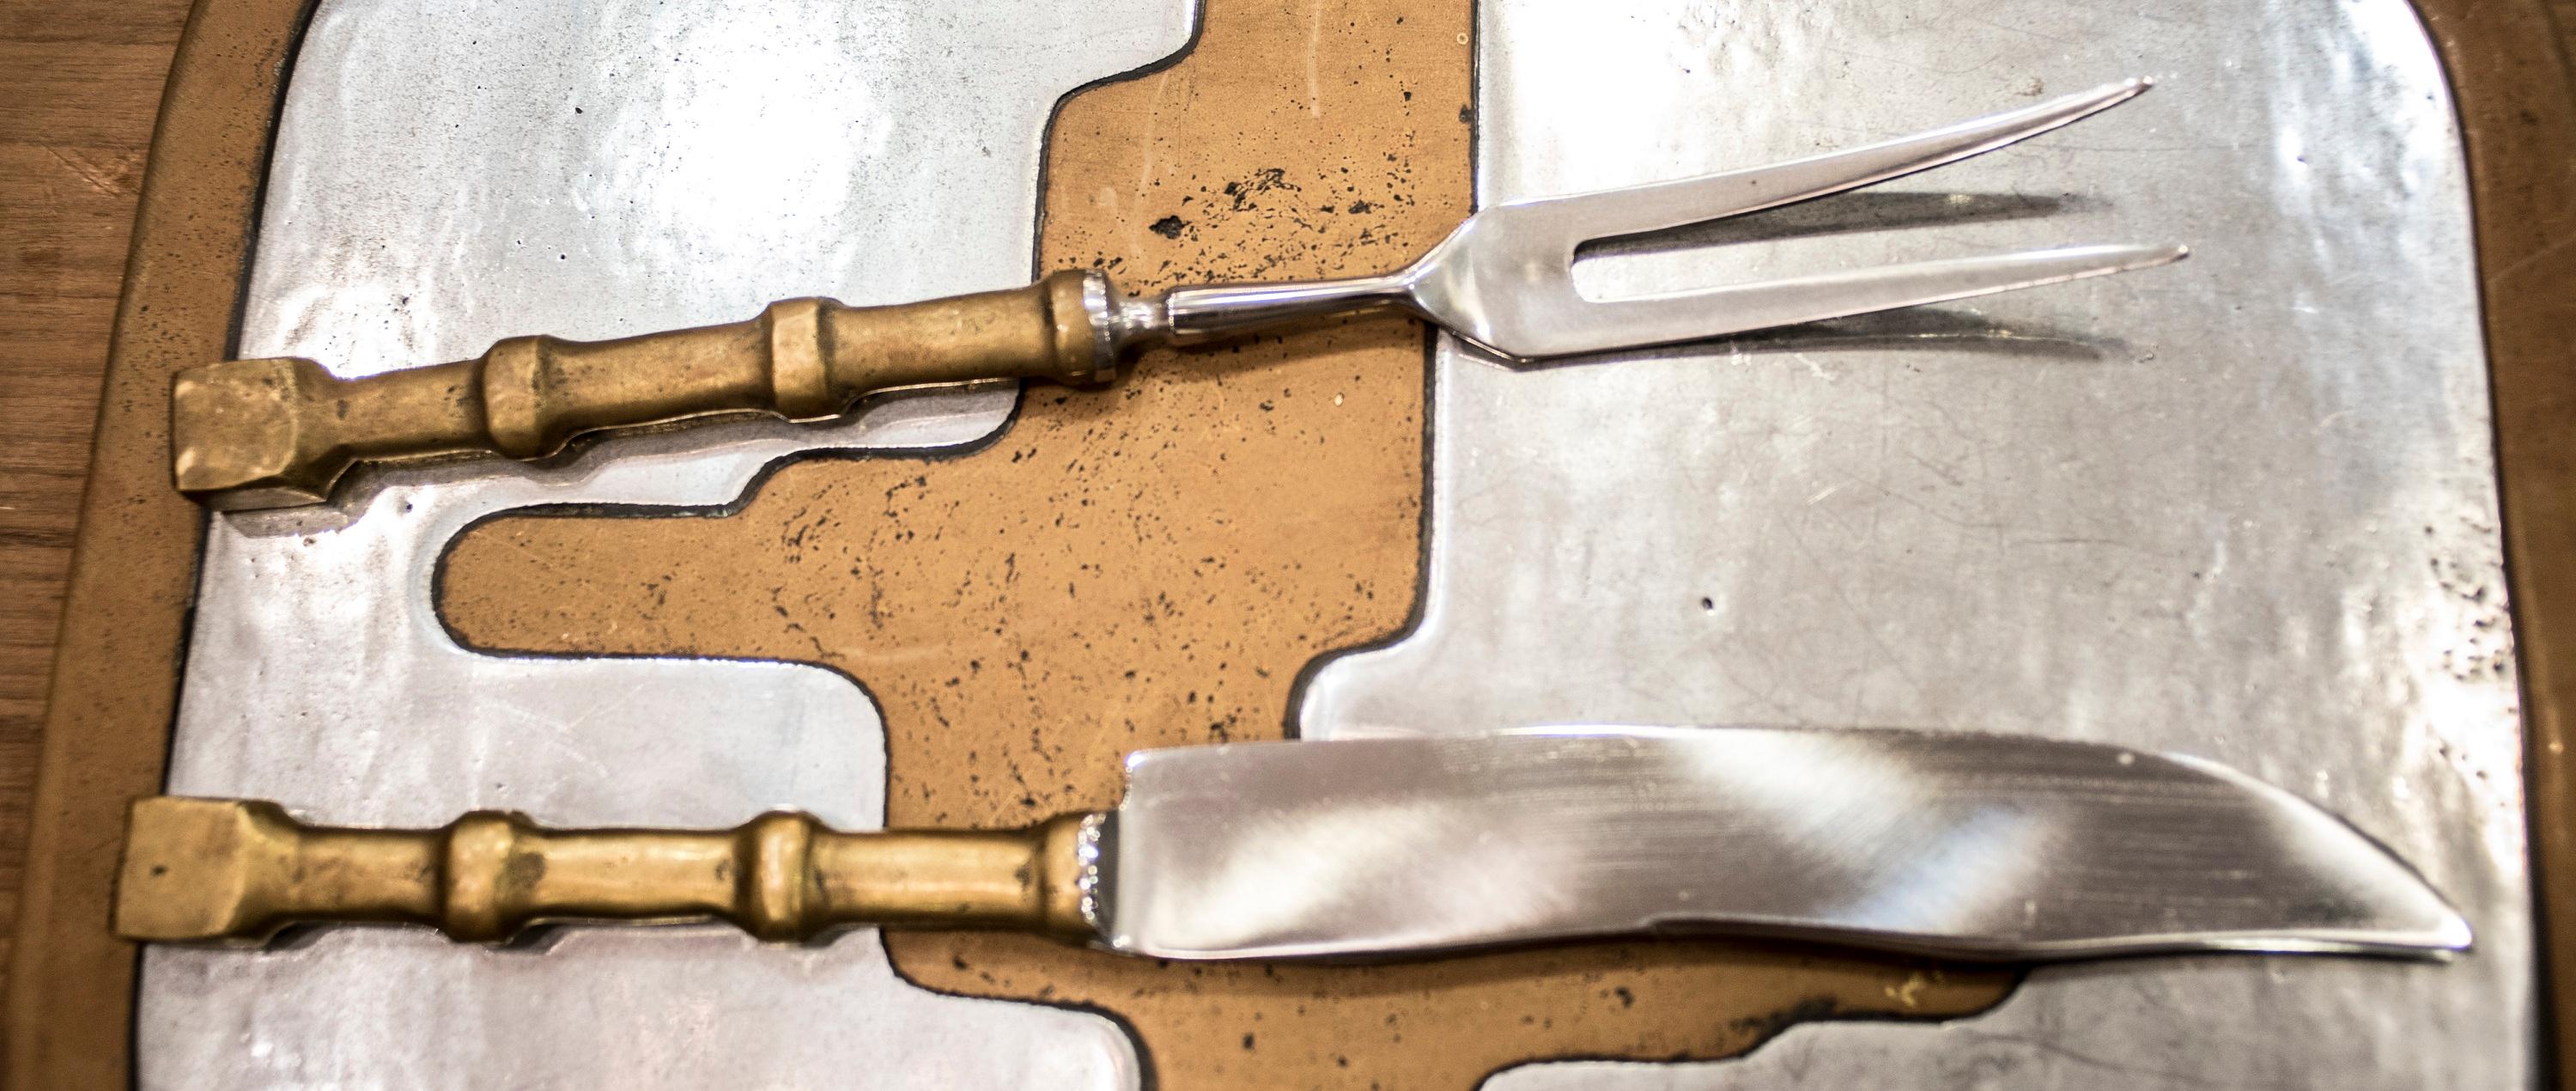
x,y
448,174
1971,845
2241,508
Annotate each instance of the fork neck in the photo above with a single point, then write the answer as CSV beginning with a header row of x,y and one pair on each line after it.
x,y
1207,312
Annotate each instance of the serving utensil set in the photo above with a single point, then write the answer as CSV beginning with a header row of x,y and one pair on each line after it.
x,y
1961,845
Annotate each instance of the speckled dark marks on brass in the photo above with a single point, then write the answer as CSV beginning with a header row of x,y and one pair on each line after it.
x,y
1155,565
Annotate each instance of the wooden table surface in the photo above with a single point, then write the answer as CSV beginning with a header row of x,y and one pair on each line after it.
x,y
79,84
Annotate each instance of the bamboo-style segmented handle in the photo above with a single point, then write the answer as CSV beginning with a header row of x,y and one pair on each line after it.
x,y
280,432
222,870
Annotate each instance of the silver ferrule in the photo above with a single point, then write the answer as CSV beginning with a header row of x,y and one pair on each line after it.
x,y
1212,311
1119,323
1093,850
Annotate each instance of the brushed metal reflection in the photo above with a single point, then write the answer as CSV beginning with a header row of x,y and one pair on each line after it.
x,y
1979,846
446,175
2242,508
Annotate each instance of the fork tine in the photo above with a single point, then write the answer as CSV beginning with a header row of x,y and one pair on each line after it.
x,y
1715,312
1660,205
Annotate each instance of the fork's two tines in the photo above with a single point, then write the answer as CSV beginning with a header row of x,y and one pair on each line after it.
x,y
1505,278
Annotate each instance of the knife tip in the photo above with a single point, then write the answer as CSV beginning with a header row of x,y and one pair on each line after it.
x,y
2453,934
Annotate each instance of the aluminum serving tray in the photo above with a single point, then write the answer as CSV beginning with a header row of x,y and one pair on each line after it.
x,y
2243,508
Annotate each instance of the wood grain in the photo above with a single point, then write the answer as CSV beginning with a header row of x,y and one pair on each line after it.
x,y
2518,117
81,82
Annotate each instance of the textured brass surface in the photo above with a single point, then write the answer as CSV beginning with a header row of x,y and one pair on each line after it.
x,y
279,432
221,870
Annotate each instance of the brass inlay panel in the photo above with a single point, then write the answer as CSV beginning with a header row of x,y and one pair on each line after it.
x,y
1155,566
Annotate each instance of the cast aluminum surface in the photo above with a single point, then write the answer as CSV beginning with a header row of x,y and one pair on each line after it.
x,y
1938,842
2242,508
447,175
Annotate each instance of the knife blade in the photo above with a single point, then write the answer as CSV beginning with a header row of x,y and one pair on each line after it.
x,y
1961,845
1970,846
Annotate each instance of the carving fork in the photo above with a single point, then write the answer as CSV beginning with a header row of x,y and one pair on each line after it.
x,y
280,432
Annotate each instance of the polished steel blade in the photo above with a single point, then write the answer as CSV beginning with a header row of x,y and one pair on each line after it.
x,y
1973,846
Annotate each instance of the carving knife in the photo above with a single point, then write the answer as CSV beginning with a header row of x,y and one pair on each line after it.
x,y
1967,846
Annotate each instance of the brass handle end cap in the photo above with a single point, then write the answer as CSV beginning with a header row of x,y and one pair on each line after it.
x,y
188,873
243,434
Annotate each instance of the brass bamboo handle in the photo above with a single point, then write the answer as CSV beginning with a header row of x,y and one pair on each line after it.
x,y
200,870
280,432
